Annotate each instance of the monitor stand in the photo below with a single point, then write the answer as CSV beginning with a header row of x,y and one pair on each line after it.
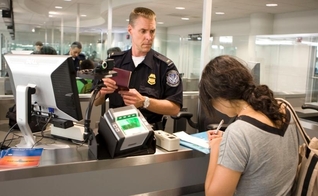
x,y
23,108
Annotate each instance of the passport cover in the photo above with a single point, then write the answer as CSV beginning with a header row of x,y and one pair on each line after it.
x,y
122,79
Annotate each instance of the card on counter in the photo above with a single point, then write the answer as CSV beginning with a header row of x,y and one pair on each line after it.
x,y
20,157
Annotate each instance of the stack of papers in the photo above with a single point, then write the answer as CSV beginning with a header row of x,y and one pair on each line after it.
x,y
197,141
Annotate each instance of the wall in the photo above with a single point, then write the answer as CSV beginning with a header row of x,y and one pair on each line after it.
x,y
280,64
296,22
288,23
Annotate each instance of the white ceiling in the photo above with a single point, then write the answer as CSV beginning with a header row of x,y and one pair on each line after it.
x,y
30,14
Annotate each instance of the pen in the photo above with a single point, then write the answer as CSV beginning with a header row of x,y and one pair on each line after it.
x,y
219,127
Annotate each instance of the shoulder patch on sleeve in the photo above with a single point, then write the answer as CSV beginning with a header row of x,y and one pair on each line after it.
x,y
164,59
173,78
114,54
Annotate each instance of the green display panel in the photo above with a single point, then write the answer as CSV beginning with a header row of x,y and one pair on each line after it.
x,y
130,124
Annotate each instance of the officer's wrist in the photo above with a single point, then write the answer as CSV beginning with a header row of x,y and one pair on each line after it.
x,y
146,102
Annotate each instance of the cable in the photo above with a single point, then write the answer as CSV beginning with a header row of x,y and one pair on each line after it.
x,y
42,131
5,137
87,130
8,145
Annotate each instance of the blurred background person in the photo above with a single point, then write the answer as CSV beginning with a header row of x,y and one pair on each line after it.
x,y
87,64
93,57
84,85
112,50
75,53
46,50
38,45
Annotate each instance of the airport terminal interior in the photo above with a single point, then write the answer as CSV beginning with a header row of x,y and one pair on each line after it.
x,y
278,40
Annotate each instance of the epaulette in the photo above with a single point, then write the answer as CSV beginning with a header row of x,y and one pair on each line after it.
x,y
163,58
113,54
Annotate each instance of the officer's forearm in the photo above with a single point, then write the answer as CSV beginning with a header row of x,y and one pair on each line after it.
x,y
164,107
100,99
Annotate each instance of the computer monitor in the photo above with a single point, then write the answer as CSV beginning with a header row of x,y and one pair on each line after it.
x,y
45,83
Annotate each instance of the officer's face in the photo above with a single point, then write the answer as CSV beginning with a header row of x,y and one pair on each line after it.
x,y
74,52
142,34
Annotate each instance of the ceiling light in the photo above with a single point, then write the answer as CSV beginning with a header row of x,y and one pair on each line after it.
x,y
160,22
185,19
67,0
83,15
127,20
271,4
33,30
50,12
219,13
180,8
58,7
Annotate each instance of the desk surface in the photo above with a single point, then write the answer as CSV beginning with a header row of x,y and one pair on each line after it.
x,y
75,159
70,171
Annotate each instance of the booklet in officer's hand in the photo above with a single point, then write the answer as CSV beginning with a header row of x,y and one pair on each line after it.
x,y
122,79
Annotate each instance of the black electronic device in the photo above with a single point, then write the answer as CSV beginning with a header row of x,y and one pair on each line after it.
x,y
103,69
43,85
123,132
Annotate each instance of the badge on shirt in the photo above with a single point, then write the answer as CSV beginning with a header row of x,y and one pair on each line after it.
x,y
173,79
152,79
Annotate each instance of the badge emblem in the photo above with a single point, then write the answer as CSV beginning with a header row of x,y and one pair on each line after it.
x,y
173,79
152,79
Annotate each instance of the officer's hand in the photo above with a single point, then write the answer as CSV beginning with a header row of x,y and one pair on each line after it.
x,y
110,86
132,97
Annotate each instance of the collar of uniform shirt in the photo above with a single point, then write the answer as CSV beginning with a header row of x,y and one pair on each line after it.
x,y
147,61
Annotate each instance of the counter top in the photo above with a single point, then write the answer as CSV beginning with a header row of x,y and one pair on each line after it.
x,y
70,171
76,159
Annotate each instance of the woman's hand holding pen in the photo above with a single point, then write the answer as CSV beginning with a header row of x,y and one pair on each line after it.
x,y
215,136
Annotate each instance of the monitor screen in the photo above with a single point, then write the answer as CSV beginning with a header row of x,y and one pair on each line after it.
x,y
130,124
54,79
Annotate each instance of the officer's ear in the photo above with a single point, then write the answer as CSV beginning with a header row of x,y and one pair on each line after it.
x,y
129,29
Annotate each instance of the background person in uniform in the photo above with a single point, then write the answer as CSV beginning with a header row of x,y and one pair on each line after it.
x,y
155,85
258,153
75,53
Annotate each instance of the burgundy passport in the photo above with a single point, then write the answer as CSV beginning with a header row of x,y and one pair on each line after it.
x,y
122,79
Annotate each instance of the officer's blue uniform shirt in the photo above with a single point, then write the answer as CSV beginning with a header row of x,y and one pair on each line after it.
x,y
156,77
77,60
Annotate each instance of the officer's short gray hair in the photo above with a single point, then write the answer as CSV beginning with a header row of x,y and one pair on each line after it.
x,y
143,12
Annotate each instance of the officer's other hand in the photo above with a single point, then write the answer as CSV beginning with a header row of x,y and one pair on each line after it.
x,y
110,86
132,97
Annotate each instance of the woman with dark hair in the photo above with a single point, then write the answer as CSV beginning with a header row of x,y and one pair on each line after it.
x,y
258,153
